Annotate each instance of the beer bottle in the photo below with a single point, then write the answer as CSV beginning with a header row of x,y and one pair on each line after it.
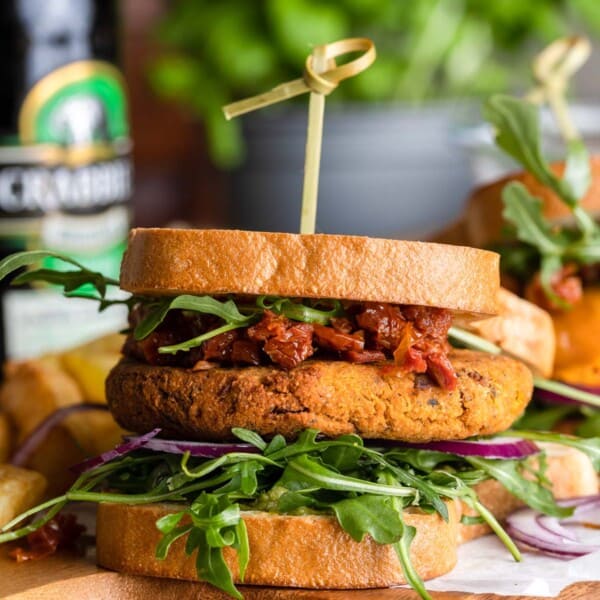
x,y
65,172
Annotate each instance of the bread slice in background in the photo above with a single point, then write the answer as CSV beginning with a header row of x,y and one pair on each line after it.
x,y
482,219
522,330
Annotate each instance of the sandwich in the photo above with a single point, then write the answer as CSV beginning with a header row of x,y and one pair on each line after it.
x,y
299,416
542,222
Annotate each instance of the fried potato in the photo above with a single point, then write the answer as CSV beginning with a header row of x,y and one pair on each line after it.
x,y
20,489
54,456
34,389
90,364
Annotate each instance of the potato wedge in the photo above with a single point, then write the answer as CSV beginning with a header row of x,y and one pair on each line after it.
x,y
20,489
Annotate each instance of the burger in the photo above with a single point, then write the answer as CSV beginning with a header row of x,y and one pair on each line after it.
x,y
299,417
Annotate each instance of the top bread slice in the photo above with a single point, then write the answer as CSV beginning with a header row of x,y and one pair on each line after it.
x,y
163,262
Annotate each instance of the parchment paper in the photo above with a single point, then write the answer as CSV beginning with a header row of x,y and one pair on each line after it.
x,y
485,566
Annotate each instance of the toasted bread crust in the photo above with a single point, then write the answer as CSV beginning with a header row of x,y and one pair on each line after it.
x,y
178,261
335,397
483,220
313,551
288,551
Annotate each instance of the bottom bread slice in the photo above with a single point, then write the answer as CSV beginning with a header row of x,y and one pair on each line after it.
x,y
312,551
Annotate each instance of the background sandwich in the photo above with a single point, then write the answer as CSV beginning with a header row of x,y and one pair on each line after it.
x,y
541,221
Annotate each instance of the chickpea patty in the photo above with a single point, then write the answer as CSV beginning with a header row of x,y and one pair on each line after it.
x,y
335,397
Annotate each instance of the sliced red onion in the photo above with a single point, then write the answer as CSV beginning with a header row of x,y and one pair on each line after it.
x,y
556,398
121,450
549,534
41,432
199,449
500,447
583,505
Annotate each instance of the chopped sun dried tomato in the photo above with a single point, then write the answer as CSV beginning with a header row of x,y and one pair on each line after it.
x,y
566,284
63,531
414,336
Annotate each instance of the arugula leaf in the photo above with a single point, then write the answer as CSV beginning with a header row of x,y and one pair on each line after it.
x,y
589,446
525,212
298,311
167,523
590,427
402,546
344,458
544,418
250,437
216,523
370,514
198,340
577,169
163,547
69,280
518,134
212,568
305,469
227,310
508,473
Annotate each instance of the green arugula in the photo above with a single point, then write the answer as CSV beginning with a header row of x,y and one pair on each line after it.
x,y
69,280
227,310
589,446
510,474
365,489
156,310
298,311
518,134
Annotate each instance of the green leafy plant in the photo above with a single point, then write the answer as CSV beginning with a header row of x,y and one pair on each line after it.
x,y
217,52
518,133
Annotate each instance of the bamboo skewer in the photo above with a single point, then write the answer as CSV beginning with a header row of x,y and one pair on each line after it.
x,y
553,67
321,76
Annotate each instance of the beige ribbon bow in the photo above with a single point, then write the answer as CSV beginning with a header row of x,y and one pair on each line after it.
x,y
552,69
321,75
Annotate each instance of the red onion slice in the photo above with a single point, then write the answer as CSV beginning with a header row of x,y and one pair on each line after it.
x,y
556,398
500,447
198,449
121,450
549,534
41,432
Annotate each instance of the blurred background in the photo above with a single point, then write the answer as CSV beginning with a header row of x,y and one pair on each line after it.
x,y
402,142
92,88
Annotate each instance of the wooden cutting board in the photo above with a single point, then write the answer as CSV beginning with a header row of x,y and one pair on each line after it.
x,y
67,576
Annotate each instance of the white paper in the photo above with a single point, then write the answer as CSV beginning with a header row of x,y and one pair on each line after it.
x,y
486,566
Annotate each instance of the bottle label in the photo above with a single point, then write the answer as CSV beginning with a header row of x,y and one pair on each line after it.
x,y
66,187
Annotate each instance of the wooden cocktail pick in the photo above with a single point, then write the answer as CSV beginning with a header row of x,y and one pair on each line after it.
x,y
321,76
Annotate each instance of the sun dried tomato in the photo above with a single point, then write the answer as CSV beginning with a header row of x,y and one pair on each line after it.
x,y
566,284
330,339
63,531
384,325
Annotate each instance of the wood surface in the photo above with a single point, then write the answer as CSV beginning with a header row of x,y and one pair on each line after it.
x,y
67,575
